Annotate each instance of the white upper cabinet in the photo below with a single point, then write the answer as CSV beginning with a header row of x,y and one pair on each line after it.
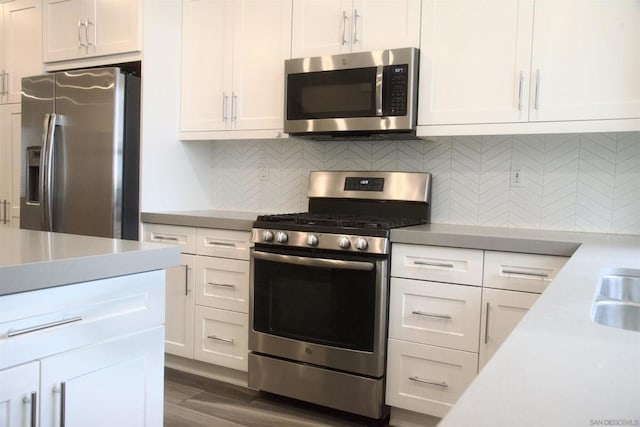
x,y
233,56
323,27
585,63
529,66
20,46
475,61
75,29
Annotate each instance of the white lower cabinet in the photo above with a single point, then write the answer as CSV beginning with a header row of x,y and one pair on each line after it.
x,y
502,310
207,295
427,379
116,383
221,337
19,395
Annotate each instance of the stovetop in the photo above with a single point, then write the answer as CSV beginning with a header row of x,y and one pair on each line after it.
x,y
312,221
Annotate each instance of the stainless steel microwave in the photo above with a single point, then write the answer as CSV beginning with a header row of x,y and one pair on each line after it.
x,y
352,94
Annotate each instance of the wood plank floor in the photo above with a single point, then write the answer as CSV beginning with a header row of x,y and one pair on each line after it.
x,y
193,401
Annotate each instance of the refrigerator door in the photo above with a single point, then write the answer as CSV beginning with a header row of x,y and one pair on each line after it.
x,y
37,106
87,152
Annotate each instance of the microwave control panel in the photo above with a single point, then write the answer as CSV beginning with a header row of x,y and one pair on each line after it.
x,y
396,87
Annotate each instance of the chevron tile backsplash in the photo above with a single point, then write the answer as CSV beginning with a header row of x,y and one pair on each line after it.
x,y
584,182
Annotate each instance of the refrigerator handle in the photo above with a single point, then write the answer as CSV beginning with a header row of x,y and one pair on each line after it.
x,y
46,169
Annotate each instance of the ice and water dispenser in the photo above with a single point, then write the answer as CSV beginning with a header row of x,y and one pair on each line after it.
x,y
33,175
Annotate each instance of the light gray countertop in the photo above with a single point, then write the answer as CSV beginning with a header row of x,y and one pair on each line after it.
x,y
557,368
31,260
227,220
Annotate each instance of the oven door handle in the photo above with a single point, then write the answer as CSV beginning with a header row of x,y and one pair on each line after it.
x,y
315,262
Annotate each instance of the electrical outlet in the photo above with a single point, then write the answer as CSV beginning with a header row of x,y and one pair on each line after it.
x,y
516,176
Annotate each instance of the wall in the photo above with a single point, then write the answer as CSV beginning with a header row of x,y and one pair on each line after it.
x,y
585,182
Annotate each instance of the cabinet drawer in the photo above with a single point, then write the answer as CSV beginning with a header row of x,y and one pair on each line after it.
x,y
435,313
222,283
221,337
520,272
427,379
185,237
223,243
40,323
438,264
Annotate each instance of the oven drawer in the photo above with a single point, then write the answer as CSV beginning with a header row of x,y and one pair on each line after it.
x,y
520,272
223,243
221,337
435,313
427,379
222,283
185,237
438,264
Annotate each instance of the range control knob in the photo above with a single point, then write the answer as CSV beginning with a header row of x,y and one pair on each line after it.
x,y
312,239
344,242
267,235
282,237
361,244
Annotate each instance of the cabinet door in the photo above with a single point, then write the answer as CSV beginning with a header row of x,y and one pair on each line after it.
x,y
179,306
261,43
321,27
114,383
501,312
474,61
23,44
63,32
385,24
207,38
585,60
117,27
19,388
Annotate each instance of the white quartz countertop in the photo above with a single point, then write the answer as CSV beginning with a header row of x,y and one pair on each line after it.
x,y
31,260
558,367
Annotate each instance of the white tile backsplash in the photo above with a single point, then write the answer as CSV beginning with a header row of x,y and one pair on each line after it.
x,y
585,182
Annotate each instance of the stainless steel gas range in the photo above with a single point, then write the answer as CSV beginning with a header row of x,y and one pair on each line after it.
x,y
320,285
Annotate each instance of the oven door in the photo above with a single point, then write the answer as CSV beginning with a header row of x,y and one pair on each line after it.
x,y
326,311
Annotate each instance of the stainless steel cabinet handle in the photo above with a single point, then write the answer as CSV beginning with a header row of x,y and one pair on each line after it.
x,y
344,27
537,103
169,238
225,97
434,264
486,325
224,285
86,31
33,401
13,333
226,244
355,26
520,88
80,25
525,273
63,404
213,337
437,383
439,316
4,212
3,89
186,279
234,106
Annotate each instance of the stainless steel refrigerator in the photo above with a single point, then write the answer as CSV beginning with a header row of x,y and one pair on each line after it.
x,y
80,153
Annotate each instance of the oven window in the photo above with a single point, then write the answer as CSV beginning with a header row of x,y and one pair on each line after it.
x,y
334,307
332,94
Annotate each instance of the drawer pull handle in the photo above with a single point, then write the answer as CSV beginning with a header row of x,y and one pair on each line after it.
x,y
171,239
436,383
486,325
33,402
224,285
213,337
439,316
13,333
434,264
525,273
225,244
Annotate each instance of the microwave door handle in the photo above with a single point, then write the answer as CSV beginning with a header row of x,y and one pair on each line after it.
x,y
47,173
315,262
379,76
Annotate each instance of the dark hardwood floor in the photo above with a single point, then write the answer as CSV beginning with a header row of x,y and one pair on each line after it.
x,y
193,401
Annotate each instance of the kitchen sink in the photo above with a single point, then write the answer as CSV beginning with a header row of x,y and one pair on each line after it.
x,y
617,299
